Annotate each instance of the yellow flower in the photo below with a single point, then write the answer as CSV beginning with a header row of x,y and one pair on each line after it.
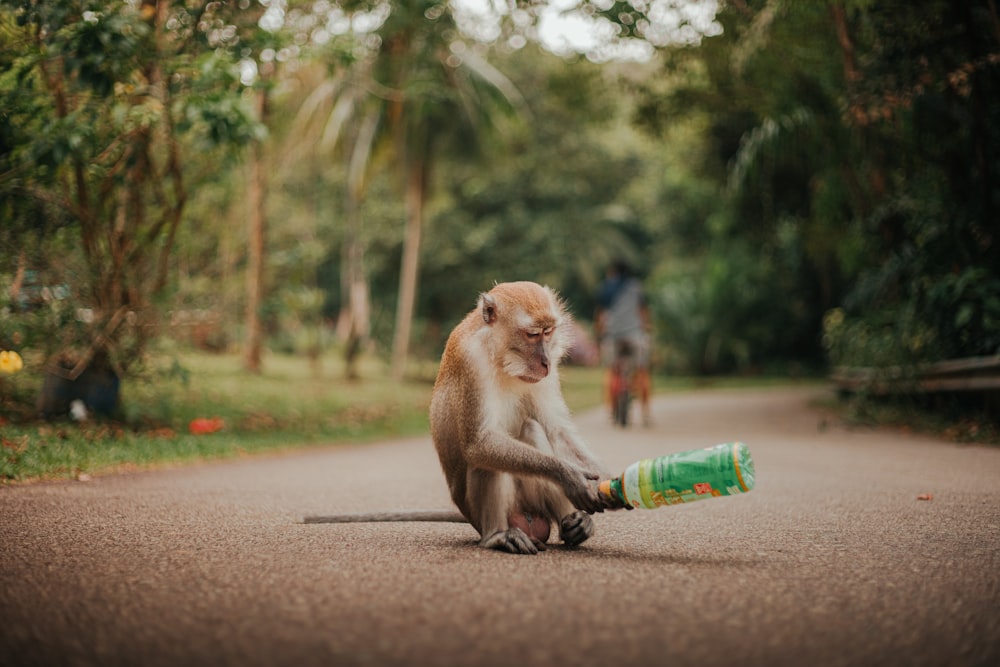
x,y
10,362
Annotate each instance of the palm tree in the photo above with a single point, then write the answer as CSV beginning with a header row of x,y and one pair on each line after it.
x,y
439,96
256,237
409,95
341,113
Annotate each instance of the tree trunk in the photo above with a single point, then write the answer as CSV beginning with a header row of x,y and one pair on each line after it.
x,y
257,199
410,265
15,289
355,314
846,44
356,318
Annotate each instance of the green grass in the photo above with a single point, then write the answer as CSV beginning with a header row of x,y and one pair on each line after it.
x,y
291,404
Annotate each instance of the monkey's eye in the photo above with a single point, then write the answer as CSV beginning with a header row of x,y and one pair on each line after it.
x,y
538,334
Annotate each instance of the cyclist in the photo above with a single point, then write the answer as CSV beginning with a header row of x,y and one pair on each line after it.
x,y
622,322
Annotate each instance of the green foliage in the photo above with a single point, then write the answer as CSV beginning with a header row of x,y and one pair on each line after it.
x,y
103,49
922,96
733,313
812,158
212,112
552,204
891,339
101,101
859,146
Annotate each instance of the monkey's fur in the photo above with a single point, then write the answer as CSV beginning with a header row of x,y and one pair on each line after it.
x,y
511,455
503,433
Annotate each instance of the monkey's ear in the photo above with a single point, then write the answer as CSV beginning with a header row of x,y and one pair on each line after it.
x,y
489,309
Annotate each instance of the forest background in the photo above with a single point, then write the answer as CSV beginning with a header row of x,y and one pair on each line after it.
x,y
802,185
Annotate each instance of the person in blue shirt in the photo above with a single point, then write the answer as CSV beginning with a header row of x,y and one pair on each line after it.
x,y
622,324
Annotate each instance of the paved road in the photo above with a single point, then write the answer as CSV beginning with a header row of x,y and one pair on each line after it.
x,y
832,560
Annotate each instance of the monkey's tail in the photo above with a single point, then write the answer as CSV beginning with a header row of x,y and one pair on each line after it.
x,y
448,516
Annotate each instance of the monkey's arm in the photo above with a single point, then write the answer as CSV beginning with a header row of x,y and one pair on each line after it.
x,y
496,450
566,440
569,442
562,433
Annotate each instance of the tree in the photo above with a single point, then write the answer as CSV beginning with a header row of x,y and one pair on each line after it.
x,y
257,242
423,100
864,174
341,114
396,89
553,203
108,98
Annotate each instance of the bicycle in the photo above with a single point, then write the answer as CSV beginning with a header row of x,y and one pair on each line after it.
x,y
621,378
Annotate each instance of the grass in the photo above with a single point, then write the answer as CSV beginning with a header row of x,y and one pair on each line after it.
x,y
289,405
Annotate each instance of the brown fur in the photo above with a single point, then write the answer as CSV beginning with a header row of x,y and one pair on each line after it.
x,y
503,433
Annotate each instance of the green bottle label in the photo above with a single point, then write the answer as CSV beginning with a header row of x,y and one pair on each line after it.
x,y
722,470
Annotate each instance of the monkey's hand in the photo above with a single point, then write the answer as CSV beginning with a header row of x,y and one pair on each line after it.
x,y
576,528
580,487
614,501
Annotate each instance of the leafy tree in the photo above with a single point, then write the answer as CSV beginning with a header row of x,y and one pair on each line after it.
x,y
101,101
401,90
435,95
551,204
342,120
924,93
865,175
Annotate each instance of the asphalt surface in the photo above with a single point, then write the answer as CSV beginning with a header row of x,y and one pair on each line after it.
x,y
832,560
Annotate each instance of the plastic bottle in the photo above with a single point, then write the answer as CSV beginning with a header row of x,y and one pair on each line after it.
x,y
722,470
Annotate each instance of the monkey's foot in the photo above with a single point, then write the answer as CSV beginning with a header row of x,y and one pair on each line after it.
x,y
576,528
512,540
534,526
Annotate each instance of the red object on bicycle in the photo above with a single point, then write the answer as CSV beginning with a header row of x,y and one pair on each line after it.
x,y
618,384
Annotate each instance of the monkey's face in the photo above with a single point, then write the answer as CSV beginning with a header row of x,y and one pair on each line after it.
x,y
529,361
525,329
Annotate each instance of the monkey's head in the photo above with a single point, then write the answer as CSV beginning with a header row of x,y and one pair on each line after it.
x,y
528,332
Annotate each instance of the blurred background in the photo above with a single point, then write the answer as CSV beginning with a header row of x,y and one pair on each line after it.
x,y
806,188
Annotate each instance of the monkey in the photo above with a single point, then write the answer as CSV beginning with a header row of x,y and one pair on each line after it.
x,y
512,458
509,450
